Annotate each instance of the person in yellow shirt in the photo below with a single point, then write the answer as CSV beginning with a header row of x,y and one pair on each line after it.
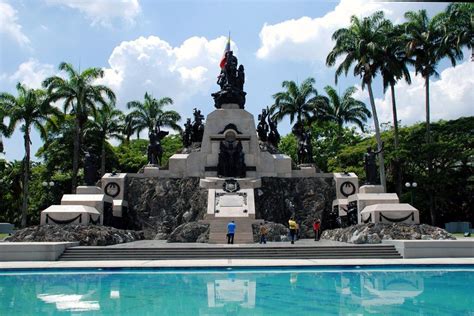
x,y
292,225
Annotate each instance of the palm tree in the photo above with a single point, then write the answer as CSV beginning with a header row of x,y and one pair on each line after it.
x,y
80,95
346,109
300,102
3,127
393,67
424,38
129,128
106,123
360,43
149,114
32,109
459,26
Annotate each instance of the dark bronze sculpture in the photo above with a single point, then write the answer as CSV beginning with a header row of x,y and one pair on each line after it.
x,y
371,166
231,158
90,169
155,151
198,126
187,133
305,149
262,127
274,136
231,81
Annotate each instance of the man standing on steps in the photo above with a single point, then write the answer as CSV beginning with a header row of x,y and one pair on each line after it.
x,y
292,226
230,232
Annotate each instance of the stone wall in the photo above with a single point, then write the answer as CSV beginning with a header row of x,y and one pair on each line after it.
x,y
159,205
311,198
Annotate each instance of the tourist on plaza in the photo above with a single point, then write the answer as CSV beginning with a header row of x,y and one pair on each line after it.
x,y
316,229
263,233
230,232
292,226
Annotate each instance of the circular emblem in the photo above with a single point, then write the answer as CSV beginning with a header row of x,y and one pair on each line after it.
x,y
112,189
347,188
231,186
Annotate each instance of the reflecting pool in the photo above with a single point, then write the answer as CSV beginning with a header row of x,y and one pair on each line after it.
x,y
291,291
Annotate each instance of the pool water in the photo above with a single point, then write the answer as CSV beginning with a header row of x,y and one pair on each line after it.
x,y
438,290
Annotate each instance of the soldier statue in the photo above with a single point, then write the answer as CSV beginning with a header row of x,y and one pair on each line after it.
x,y
198,126
370,165
154,150
274,136
262,127
90,169
231,161
187,133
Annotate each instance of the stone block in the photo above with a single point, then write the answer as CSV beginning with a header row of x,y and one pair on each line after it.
x,y
70,214
282,163
433,248
33,251
390,213
151,171
346,184
113,185
361,200
101,202
370,188
340,206
89,190
177,164
119,207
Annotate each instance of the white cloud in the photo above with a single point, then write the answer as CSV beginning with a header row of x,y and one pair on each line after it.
x,y
32,73
150,64
450,97
9,24
103,12
309,38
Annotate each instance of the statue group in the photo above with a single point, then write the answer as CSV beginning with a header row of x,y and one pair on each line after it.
x,y
155,151
268,132
231,80
231,161
193,132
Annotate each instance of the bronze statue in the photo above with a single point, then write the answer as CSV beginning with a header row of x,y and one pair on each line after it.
x,y
198,126
273,136
231,81
262,127
187,133
305,149
231,158
371,166
90,169
154,150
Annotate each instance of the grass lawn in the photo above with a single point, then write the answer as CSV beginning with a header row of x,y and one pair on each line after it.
x,y
3,236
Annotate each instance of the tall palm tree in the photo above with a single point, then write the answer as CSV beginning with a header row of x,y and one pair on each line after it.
x,y
32,109
150,113
80,96
301,102
345,109
424,38
129,127
394,67
360,44
459,26
106,122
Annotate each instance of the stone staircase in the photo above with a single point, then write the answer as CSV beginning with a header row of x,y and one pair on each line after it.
x,y
218,229
232,252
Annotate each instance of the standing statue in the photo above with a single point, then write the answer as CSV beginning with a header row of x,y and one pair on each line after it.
x,y
154,150
274,136
187,133
198,126
262,127
371,166
305,149
90,169
231,81
231,158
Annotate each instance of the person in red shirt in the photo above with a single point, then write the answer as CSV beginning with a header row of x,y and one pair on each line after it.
x,y
316,229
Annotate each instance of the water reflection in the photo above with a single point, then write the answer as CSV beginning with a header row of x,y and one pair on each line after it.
x,y
238,293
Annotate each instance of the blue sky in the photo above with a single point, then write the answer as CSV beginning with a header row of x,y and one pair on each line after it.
x,y
172,48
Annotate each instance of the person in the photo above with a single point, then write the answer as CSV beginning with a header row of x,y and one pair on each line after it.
x,y
263,233
316,228
292,225
230,232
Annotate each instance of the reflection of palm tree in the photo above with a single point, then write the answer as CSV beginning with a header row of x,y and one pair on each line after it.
x,y
361,44
32,109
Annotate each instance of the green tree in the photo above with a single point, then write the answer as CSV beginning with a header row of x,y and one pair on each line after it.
x,y
459,26
150,113
361,46
301,102
424,38
80,96
107,125
346,109
32,109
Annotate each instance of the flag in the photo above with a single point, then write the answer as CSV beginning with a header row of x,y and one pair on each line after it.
x,y
227,49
